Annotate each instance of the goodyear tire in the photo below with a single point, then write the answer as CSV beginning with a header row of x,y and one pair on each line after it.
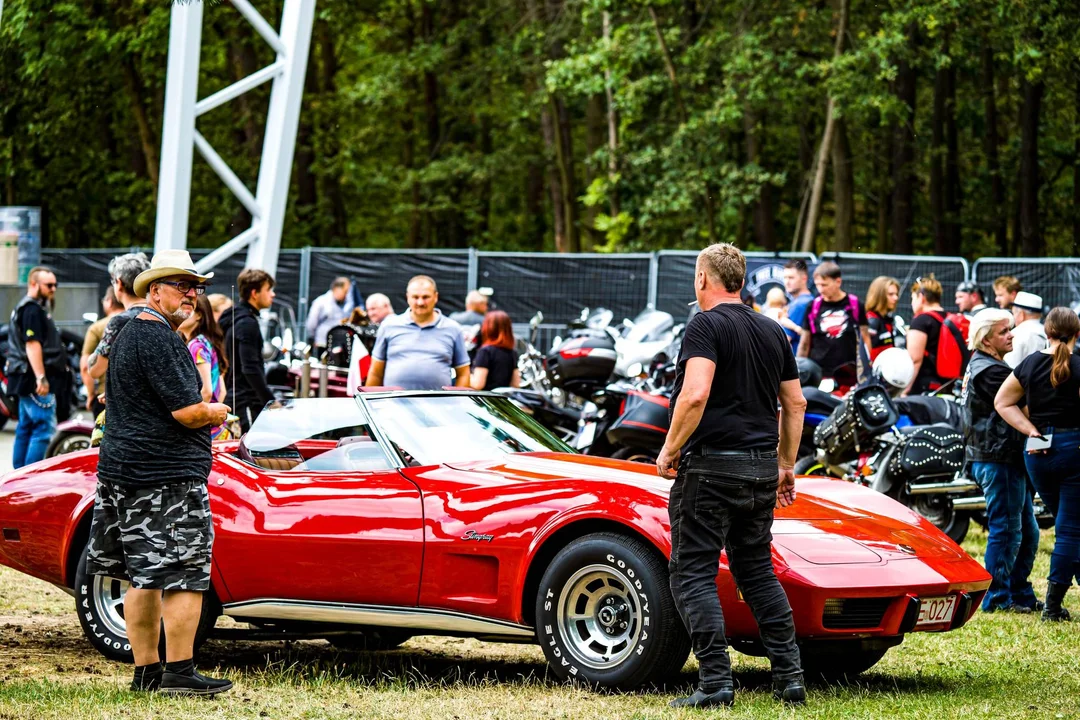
x,y
605,616
99,602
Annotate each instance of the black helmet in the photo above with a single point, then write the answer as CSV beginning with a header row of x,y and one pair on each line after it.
x,y
809,372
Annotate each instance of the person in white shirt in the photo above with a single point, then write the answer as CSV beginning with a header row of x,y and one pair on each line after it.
x,y
328,310
1028,335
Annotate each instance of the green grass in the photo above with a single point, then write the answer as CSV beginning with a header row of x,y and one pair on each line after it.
x,y
997,666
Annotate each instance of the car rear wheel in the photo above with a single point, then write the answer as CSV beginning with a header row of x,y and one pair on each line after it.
x,y
605,615
67,443
99,601
371,640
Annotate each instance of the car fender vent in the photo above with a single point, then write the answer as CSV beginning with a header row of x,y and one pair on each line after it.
x,y
854,613
12,535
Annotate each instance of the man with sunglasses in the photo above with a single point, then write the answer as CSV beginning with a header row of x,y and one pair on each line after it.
x,y
36,362
152,524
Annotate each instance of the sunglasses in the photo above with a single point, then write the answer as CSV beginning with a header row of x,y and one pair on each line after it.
x,y
49,285
184,287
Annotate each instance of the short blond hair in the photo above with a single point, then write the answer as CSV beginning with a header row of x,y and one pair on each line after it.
x,y
724,264
1008,283
776,298
983,322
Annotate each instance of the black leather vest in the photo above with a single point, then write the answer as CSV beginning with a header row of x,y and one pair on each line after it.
x,y
988,437
53,353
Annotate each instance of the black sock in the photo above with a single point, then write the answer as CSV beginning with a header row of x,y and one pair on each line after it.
x,y
143,673
181,667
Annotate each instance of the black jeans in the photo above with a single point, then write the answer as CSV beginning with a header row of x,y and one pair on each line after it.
x,y
720,501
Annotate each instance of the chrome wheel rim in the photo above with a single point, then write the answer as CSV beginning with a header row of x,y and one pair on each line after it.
x,y
73,444
108,599
599,617
938,511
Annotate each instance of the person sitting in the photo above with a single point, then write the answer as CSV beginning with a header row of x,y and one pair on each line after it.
x,y
495,364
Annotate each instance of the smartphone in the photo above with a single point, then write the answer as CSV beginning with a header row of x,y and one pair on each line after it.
x,y
1039,443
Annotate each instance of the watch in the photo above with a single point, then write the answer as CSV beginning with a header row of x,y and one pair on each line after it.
x,y
42,377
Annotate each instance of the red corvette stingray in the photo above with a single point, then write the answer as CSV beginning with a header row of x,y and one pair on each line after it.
x,y
366,521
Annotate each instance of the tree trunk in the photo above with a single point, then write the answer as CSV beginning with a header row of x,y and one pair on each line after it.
x,y
331,178
843,188
612,126
999,224
904,152
1076,175
817,190
565,157
555,185
1031,242
134,87
594,140
937,173
431,113
764,231
953,191
307,197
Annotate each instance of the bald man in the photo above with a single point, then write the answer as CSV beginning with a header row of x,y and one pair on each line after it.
x,y
476,307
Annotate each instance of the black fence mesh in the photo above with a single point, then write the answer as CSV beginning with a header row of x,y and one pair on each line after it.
x,y
675,277
860,270
389,273
286,280
561,285
1056,280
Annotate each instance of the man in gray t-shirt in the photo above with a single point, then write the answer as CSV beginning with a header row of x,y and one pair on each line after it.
x,y
419,349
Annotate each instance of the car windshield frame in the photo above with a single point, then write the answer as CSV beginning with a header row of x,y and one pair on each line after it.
x,y
397,421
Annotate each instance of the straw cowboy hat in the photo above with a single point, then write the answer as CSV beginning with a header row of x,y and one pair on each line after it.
x,y
168,263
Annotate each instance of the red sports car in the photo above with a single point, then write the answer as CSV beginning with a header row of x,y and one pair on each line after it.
x,y
371,519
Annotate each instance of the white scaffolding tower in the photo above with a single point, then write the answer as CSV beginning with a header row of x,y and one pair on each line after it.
x,y
180,136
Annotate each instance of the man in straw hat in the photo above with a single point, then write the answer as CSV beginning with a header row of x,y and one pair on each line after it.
x,y
152,523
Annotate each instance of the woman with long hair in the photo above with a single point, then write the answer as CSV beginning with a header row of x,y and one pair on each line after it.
x,y
881,300
1050,381
495,364
206,343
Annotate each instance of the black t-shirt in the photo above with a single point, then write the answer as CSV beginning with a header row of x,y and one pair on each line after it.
x,y
500,364
752,356
1050,406
928,376
33,321
151,375
835,341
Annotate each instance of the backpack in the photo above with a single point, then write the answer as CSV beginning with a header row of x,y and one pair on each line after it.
x,y
952,353
815,308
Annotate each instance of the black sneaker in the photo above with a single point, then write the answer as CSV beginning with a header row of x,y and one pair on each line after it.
x,y
194,683
725,697
790,692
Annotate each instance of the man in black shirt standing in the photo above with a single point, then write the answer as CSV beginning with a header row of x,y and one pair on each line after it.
x,y
734,464
37,362
152,522
246,389
835,324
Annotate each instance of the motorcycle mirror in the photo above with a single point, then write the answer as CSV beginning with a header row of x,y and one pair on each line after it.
x,y
556,342
635,370
90,317
286,339
536,319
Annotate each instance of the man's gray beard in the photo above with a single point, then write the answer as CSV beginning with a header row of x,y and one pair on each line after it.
x,y
180,315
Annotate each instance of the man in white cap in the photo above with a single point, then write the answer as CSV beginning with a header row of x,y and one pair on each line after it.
x,y
152,524
1028,335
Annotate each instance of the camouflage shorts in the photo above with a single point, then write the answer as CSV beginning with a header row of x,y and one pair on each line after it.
x,y
158,538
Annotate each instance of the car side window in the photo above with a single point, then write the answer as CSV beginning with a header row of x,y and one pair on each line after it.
x,y
352,453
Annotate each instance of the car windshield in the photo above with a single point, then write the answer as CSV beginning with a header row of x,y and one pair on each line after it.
x,y
311,419
434,429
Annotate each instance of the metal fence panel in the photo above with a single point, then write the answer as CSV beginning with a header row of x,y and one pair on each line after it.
x,y
860,270
561,285
389,271
675,276
1057,280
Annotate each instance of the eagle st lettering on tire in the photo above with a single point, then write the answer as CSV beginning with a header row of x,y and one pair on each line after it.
x,y
607,616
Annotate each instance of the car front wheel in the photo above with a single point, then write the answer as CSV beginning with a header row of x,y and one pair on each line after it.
x,y
605,615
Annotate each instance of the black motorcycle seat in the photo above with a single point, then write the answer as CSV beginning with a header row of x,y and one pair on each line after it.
x,y
818,399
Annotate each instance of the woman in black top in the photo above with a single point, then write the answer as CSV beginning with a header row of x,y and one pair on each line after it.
x,y
1050,380
922,337
881,300
495,364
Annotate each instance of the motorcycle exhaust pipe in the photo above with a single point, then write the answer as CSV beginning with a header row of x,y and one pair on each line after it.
x,y
954,486
971,503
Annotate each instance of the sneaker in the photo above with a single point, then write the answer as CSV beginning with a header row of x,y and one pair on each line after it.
x,y
790,692
195,684
725,697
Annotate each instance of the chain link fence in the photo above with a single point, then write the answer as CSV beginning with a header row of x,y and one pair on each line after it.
x,y
675,276
859,270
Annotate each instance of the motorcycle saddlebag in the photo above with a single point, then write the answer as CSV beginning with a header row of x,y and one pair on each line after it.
x,y
642,422
583,364
929,451
866,412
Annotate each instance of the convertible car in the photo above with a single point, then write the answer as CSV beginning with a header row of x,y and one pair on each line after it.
x,y
368,520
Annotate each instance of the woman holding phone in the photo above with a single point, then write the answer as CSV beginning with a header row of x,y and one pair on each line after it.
x,y
1050,381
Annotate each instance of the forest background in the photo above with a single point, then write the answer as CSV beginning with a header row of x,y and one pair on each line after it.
x,y
930,126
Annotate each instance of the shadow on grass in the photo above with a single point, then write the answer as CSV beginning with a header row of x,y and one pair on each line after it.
x,y
418,668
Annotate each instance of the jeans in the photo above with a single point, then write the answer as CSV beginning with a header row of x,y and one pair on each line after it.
x,y
1014,534
1056,475
720,501
37,423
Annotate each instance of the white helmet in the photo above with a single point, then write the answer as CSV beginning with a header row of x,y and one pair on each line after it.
x,y
895,368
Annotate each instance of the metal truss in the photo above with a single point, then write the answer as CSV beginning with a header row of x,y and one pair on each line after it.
x,y
180,136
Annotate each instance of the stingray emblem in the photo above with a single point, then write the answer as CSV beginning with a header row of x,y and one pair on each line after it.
x,y
907,549
473,535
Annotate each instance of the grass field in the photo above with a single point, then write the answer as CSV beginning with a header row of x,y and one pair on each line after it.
x,y
997,666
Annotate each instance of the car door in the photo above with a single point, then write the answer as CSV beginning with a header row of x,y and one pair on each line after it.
x,y
349,537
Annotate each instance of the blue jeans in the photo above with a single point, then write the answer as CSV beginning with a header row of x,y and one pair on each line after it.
x,y
727,501
1014,534
1056,475
37,423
